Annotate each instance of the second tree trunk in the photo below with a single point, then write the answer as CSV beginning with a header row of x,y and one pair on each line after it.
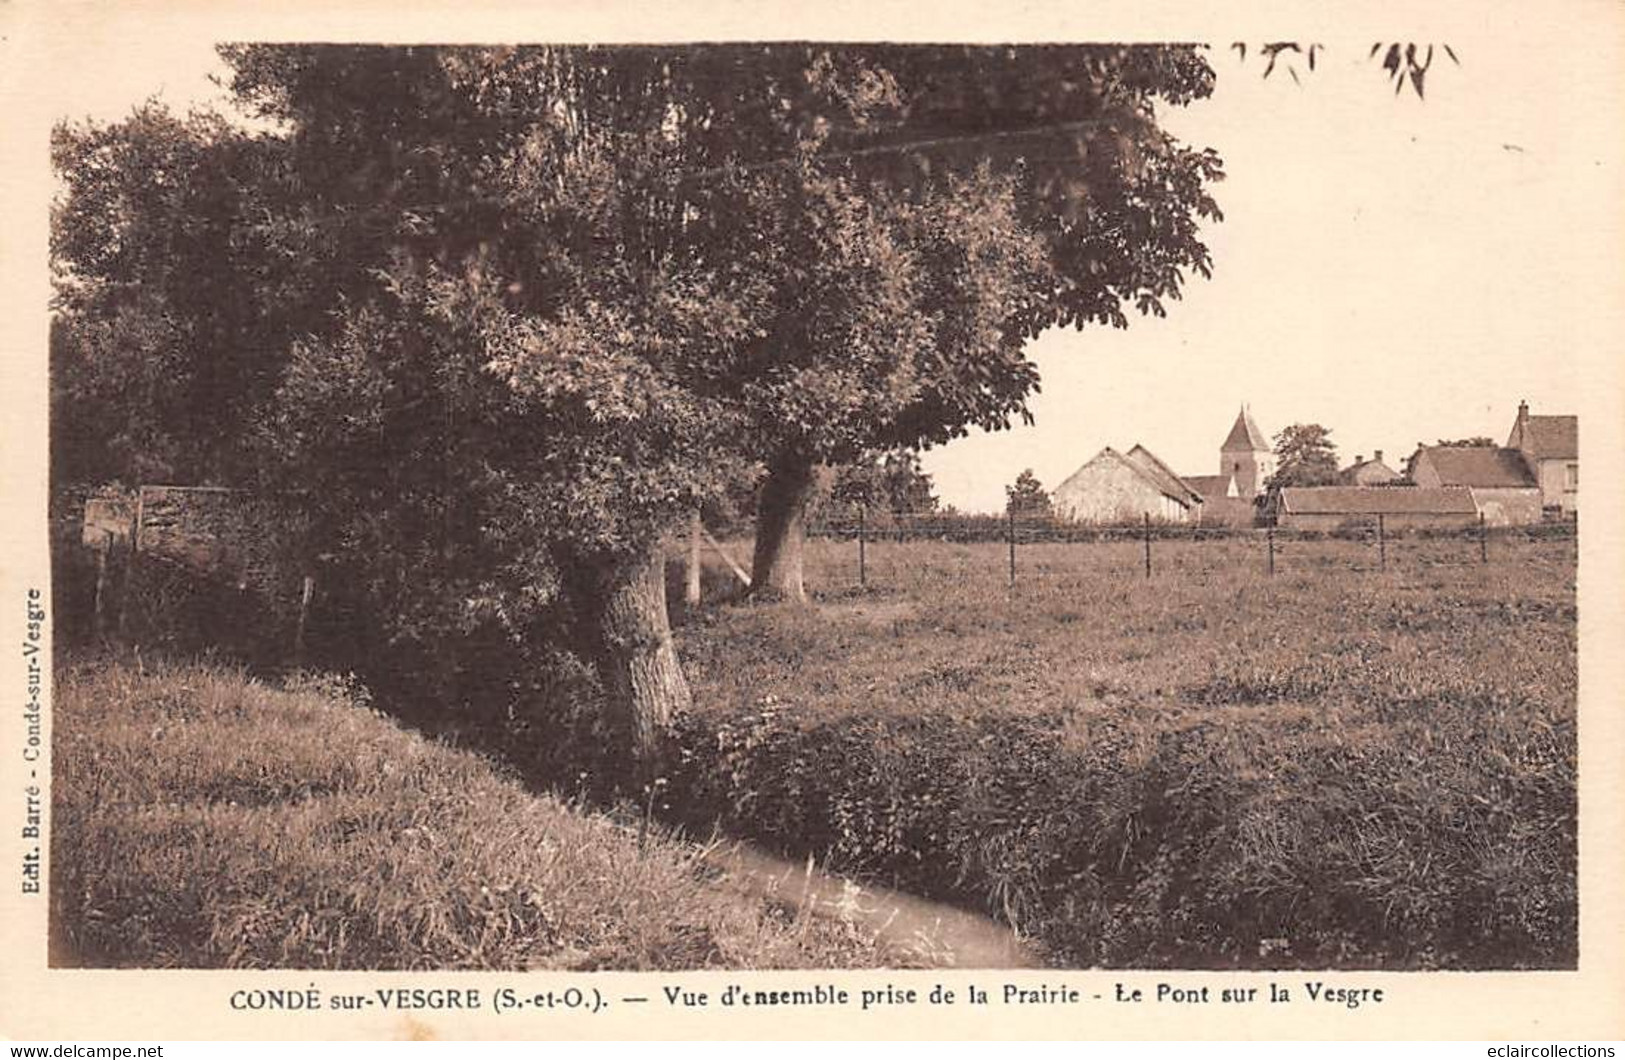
x,y
776,567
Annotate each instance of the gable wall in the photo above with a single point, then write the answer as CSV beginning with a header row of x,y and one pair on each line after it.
x,y
1108,491
1554,485
1424,474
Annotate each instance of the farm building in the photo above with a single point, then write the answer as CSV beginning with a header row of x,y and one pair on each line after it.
x,y
1213,487
1401,507
1365,472
1500,481
1222,503
1551,447
1114,487
1126,487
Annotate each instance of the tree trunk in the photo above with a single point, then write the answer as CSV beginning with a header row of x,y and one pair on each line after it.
x,y
637,660
780,531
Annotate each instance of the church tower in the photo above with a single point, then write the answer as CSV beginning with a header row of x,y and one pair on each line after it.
x,y
1246,456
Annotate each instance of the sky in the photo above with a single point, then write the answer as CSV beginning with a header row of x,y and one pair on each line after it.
x,y
1397,270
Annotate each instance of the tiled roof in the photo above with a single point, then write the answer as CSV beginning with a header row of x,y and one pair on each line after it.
x,y
1108,453
1554,437
1367,473
1211,487
1162,475
1245,434
1482,466
1142,463
1377,500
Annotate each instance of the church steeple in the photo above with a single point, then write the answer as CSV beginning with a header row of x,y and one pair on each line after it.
x,y
1245,455
1245,435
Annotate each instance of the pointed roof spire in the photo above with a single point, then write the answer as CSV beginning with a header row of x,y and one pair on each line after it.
x,y
1245,434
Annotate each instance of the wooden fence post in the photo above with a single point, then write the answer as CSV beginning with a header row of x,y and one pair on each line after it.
x,y
1148,544
1010,521
101,580
863,546
691,588
307,589
1382,543
1269,535
131,561
1483,539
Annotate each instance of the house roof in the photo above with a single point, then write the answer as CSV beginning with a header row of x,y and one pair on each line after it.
x,y
1372,471
1162,475
1245,434
1107,453
1211,487
1143,464
1481,466
1377,500
1553,437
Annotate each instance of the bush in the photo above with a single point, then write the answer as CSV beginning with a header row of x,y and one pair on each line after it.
x,y
1128,851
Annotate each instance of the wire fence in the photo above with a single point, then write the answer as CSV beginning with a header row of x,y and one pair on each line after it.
x,y
1360,543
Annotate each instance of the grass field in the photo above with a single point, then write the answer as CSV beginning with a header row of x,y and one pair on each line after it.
x,y
1336,765
940,628
204,821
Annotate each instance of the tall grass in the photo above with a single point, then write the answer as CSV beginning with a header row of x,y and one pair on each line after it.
x,y
1336,766
1340,765
206,820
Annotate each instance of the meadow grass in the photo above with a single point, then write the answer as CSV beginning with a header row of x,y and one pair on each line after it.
x,y
1339,765
205,820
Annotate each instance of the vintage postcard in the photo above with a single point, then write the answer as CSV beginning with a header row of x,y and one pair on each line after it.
x,y
726,522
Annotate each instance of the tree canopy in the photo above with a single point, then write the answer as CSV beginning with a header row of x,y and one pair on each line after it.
x,y
1404,61
1304,456
502,315
169,313
1027,498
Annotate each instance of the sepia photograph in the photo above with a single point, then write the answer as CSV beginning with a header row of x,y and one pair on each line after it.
x,y
822,504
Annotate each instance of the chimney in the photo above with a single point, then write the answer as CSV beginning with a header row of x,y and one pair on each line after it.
x,y
1358,459
1377,456
1523,413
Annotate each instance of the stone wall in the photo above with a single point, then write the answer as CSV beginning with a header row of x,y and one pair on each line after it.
x,y
1328,522
1508,506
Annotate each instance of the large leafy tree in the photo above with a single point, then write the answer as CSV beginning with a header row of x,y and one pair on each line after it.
x,y
523,389
1034,189
1304,456
532,304
920,212
170,317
